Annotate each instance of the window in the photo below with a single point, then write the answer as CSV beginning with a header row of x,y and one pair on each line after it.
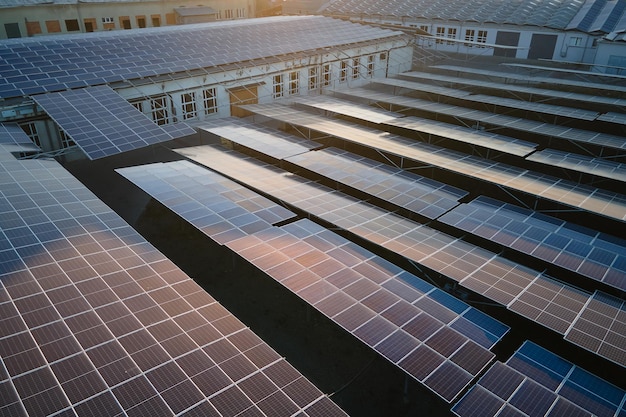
x,y
71,25
356,67
209,100
343,72
441,31
53,26
326,75
314,80
482,37
141,21
451,35
66,141
125,22
138,105
424,28
188,102
575,41
383,56
228,14
278,86
159,109
470,36
241,12
294,82
107,20
370,66
31,131
156,21
33,28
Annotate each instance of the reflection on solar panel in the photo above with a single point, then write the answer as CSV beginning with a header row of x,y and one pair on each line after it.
x,y
472,116
607,340
548,69
271,142
419,328
355,110
580,163
531,79
220,208
613,117
493,141
523,290
541,92
413,192
102,123
95,321
45,64
11,133
553,110
561,191
537,382
592,254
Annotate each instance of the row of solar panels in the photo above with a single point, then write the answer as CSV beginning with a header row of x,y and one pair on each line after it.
x,y
95,321
524,290
437,339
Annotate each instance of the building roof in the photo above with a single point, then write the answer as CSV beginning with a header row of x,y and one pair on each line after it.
x,y
591,16
54,63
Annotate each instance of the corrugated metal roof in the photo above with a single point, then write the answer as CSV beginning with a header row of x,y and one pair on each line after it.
x,y
590,16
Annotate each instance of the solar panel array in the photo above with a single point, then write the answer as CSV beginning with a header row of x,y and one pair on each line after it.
x,y
554,14
530,79
551,188
413,192
271,142
472,116
596,255
82,60
549,109
102,123
536,382
521,289
96,321
220,208
532,91
351,109
412,324
607,340
11,133
581,163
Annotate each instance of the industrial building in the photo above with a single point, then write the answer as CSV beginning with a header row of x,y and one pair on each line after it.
x,y
247,217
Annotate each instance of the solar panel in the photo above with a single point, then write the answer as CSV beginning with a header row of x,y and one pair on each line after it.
x,y
565,192
522,289
341,107
11,133
418,194
553,110
607,340
34,66
334,275
220,208
592,254
580,163
102,123
532,91
529,78
493,141
96,321
535,381
271,142
472,116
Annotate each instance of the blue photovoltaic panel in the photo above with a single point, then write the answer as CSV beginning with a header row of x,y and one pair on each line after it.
x,y
507,87
594,200
96,321
271,142
48,64
522,289
359,291
568,380
219,207
596,255
413,192
600,327
347,108
539,382
102,123
11,133
600,167
488,118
